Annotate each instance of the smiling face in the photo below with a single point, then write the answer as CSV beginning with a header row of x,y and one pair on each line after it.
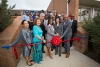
x,y
38,22
65,17
26,24
50,22
57,20
27,13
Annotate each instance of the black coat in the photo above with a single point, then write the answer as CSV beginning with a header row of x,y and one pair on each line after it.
x,y
74,27
43,29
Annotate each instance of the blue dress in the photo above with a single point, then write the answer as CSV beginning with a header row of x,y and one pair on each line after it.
x,y
37,48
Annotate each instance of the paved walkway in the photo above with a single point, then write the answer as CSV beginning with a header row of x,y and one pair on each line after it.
x,y
76,59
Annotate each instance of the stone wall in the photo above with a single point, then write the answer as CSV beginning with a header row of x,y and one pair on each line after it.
x,y
81,46
8,36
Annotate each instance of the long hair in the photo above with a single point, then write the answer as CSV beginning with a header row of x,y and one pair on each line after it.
x,y
57,18
49,20
23,22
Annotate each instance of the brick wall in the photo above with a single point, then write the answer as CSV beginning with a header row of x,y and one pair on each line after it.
x,y
58,5
81,46
61,6
8,36
73,8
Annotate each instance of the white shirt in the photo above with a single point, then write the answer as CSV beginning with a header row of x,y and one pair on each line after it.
x,y
51,26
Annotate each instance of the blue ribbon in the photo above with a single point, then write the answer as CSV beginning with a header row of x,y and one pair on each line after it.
x,y
84,37
13,44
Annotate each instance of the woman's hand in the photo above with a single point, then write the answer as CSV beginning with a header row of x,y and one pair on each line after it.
x,y
57,34
29,47
44,41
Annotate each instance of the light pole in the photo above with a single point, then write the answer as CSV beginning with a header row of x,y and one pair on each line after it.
x,y
67,7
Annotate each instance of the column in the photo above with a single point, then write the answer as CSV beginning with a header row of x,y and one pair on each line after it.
x,y
93,12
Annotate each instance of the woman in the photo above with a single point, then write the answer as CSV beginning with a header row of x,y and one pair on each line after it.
x,y
26,39
36,15
37,48
31,21
59,29
49,35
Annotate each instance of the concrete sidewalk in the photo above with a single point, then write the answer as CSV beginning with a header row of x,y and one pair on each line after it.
x,y
76,59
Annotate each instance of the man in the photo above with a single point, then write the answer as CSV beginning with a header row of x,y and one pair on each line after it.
x,y
51,15
67,35
42,15
74,27
26,16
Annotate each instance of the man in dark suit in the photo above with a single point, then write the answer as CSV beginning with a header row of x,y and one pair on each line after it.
x,y
42,15
74,27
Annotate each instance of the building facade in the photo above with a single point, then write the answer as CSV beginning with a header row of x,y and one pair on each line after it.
x,y
79,8
61,6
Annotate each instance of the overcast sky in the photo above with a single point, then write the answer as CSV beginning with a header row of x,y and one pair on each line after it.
x,y
30,4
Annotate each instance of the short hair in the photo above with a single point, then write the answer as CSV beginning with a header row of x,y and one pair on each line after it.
x,y
26,11
42,14
35,21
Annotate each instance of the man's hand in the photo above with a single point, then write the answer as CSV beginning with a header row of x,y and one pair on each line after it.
x,y
61,37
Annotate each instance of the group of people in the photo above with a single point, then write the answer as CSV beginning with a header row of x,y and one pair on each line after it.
x,y
42,27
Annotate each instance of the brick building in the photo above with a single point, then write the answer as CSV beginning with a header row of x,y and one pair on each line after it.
x,y
61,6
79,8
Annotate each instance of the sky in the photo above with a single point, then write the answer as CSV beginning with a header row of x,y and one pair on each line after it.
x,y
30,4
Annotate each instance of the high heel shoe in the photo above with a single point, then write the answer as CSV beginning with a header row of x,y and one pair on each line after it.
x,y
29,64
31,60
51,57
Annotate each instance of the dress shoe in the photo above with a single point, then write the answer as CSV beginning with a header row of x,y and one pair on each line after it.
x,y
64,53
59,55
67,56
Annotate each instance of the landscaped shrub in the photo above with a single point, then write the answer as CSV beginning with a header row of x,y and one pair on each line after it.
x,y
5,15
92,26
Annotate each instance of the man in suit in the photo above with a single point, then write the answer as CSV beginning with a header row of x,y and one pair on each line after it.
x,y
67,33
74,28
42,15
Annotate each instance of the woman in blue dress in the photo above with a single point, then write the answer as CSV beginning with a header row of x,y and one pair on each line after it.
x,y
37,48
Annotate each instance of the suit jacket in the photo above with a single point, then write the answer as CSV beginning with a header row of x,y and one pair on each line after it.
x,y
26,37
67,30
50,33
43,28
74,27
59,29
